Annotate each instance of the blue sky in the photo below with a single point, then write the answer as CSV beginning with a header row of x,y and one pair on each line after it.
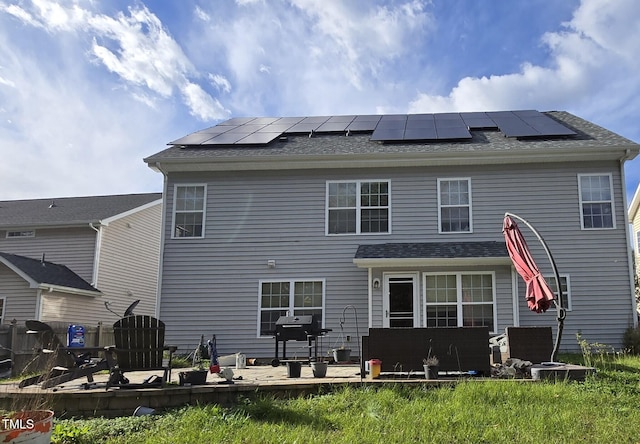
x,y
90,88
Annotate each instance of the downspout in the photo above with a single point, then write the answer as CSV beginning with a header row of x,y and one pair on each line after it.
x,y
629,237
163,236
96,258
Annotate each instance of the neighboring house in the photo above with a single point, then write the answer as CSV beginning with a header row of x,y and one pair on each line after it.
x,y
62,259
390,221
634,219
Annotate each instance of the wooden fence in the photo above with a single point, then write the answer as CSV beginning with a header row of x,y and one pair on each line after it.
x,y
22,348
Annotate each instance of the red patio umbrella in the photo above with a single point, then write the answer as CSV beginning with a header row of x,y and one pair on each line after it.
x,y
538,294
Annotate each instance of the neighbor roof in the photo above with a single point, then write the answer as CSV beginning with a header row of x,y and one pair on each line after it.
x,y
43,274
356,148
71,210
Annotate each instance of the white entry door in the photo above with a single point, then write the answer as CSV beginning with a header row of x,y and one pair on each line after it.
x,y
399,305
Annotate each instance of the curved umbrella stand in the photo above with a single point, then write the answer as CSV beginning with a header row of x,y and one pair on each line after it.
x,y
561,311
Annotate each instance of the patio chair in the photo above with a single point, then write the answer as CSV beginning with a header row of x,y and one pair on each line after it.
x,y
67,363
139,346
534,344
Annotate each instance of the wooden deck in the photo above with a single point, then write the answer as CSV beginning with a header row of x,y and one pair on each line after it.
x,y
72,400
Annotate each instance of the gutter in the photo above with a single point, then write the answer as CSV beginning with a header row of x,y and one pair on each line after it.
x,y
44,287
96,257
629,237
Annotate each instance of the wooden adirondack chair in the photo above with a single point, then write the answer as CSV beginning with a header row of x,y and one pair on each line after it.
x,y
67,363
139,345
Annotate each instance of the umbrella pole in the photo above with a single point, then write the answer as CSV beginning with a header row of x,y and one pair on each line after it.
x,y
562,313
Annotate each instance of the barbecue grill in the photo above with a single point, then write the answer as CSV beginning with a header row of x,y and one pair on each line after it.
x,y
298,328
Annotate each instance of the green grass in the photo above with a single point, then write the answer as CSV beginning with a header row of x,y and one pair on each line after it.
x,y
601,409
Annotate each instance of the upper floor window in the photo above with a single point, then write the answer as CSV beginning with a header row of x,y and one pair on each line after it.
x,y
358,207
21,233
454,205
289,298
188,210
596,201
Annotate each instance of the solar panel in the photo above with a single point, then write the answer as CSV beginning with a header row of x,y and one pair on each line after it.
x,y
303,128
237,121
226,139
421,133
258,138
368,118
388,134
347,119
453,132
315,119
275,128
264,120
193,139
478,120
511,125
362,125
333,127
247,128
546,126
217,129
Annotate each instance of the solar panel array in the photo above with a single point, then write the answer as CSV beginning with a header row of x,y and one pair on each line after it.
x,y
385,128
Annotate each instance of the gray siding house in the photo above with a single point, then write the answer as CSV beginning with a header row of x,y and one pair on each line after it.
x,y
62,259
390,221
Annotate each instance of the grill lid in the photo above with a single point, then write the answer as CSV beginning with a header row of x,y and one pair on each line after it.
x,y
295,321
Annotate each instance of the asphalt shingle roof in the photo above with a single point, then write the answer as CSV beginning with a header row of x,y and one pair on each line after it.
x,y
589,136
69,210
433,250
44,272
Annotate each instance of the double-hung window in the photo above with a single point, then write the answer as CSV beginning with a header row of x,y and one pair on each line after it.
x,y
460,300
565,284
358,207
189,203
289,298
454,204
596,201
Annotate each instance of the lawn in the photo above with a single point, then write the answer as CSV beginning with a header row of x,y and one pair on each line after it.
x,y
601,409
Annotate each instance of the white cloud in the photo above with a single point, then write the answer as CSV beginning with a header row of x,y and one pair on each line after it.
x,y
135,46
220,82
201,14
587,60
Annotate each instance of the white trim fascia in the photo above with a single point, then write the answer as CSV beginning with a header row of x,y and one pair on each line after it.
x,y
514,294
61,289
370,295
135,210
389,160
19,272
163,240
430,262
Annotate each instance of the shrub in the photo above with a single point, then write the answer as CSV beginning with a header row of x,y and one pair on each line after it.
x,y
631,340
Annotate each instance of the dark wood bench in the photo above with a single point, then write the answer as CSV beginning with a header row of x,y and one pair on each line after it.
x,y
533,344
459,349
139,345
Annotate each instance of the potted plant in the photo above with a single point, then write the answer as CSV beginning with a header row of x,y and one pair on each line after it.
x,y
319,365
431,366
341,354
198,374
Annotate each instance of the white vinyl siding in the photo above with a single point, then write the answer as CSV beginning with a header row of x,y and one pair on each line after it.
x,y
189,211
288,298
460,299
596,201
454,205
358,207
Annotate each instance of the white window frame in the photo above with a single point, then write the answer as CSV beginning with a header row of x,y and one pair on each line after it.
x,y
566,293
611,201
291,309
174,212
441,206
358,208
3,310
459,302
20,234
